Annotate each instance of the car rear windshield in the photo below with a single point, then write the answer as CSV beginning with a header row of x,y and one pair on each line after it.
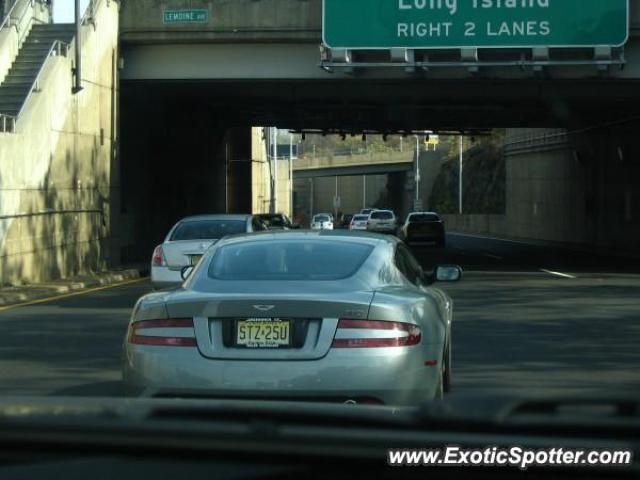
x,y
360,218
382,215
275,221
289,260
321,218
208,229
424,217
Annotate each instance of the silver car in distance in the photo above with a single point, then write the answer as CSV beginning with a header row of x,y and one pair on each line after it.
x,y
326,315
187,241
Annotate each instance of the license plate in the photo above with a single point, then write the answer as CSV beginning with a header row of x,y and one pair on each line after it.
x,y
263,333
195,259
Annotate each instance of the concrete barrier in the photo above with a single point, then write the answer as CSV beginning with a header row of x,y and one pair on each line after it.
x,y
489,225
56,171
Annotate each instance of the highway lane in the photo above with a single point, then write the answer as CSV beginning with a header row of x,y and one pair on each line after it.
x,y
517,329
70,346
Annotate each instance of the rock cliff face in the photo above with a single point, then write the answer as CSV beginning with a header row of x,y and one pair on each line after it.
x,y
484,178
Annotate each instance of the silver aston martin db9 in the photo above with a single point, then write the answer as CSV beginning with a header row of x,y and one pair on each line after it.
x,y
320,315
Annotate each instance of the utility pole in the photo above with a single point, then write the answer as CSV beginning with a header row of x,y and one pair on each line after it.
x,y
364,192
417,168
78,70
275,170
311,199
291,209
460,179
335,201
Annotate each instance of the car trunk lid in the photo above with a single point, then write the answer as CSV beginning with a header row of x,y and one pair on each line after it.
x,y
185,252
312,322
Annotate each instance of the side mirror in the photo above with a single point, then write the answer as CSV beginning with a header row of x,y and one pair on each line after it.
x,y
186,271
447,273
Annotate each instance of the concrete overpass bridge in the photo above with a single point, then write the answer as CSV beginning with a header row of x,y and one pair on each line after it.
x,y
350,165
173,92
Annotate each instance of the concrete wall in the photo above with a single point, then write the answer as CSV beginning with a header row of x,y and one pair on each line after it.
x,y
229,20
581,188
56,172
262,173
350,189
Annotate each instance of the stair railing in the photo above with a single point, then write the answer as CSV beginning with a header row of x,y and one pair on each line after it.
x,y
58,49
17,20
8,122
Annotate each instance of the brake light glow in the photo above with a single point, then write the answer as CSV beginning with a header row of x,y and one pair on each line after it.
x,y
158,259
141,333
375,334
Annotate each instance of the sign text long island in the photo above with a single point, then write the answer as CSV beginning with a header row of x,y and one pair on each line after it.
x,y
475,23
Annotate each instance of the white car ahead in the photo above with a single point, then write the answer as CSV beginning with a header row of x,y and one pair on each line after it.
x,y
382,221
189,239
322,221
359,222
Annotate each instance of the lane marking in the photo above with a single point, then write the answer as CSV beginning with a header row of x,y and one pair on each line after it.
x,y
536,273
73,294
558,274
504,240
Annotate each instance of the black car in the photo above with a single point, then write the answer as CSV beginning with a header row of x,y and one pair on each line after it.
x,y
345,221
423,227
276,221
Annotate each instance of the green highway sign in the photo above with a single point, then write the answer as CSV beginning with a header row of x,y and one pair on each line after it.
x,y
199,15
439,24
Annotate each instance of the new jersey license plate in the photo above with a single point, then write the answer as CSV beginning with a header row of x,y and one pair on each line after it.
x,y
263,333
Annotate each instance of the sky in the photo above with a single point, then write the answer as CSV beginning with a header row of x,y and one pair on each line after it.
x,y
63,10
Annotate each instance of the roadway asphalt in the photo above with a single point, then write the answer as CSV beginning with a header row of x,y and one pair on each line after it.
x,y
518,328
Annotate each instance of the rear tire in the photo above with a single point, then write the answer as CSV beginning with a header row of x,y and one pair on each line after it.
x,y
439,395
446,377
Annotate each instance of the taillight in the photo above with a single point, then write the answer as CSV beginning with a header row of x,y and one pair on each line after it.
x,y
158,257
170,332
375,333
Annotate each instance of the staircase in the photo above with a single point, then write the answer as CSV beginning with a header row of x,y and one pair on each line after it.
x,y
23,73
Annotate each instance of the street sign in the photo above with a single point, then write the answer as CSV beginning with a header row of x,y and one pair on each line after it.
x,y
418,206
439,24
198,15
433,140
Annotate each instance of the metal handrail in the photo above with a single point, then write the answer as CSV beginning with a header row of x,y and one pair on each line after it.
x,y
58,47
7,19
89,13
6,120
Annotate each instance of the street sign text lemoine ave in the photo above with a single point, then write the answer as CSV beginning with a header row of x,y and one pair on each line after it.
x,y
474,23
198,15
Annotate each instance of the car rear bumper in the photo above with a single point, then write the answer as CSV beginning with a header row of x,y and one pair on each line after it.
x,y
163,277
388,375
425,238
